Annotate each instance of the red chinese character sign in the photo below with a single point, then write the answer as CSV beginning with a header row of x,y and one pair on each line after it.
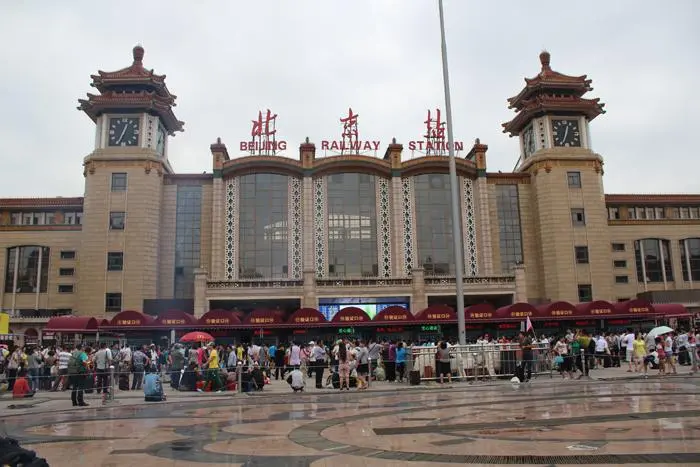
x,y
435,142
350,133
350,142
264,136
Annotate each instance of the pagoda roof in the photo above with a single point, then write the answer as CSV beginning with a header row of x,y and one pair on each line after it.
x,y
542,103
550,80
97,104
134,75
132,88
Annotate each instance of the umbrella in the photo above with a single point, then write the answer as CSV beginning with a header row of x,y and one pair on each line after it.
x,y
660,331
197,336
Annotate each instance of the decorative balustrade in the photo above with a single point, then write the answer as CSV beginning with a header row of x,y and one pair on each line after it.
x,y
255,284
363,282
500,281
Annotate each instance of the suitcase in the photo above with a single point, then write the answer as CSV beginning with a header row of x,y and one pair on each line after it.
x,y
414,378
123,382
428,371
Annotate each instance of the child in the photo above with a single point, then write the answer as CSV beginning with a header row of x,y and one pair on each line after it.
x,y
21,388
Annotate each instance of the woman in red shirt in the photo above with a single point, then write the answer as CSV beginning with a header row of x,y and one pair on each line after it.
x,y
21,388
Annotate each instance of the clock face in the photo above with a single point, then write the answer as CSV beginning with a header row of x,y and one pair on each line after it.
x,y
124,131
160,141
529,141
566,133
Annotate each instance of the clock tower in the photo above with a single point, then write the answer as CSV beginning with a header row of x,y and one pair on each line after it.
x,y
569,219
133,116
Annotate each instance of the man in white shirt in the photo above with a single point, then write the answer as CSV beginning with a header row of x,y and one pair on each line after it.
x,y
103,360
63,359
628,342
318,359
668,350
296,380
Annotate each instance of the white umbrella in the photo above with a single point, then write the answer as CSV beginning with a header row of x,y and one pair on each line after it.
x,y
661,330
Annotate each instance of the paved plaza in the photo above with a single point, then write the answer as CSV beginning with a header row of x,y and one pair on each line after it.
x,y
611,420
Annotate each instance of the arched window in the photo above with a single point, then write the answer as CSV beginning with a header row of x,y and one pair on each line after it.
x,y
653,260
27,269
690,258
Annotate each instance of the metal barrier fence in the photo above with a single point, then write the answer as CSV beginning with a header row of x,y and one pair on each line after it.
x,y
481,361
94,385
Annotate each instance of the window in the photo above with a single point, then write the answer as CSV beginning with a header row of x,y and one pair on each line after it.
x,y
115,261
585,293
675,213
695,213
690,258
620,263
509,229
631,213
27,269
574,179
352,226
188,216
685,213
578,217
65,288
117,220
262,227
618,247
66,272
67,254
113,302
659,213
581,254
118,182
622,279
653,260
613,213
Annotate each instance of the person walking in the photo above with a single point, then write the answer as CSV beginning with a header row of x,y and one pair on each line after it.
x,y
77,371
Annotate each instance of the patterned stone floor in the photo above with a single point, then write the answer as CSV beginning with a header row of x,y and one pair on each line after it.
x,y
592,423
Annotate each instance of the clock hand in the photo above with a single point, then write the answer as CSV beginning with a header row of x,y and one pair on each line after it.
x,y
122,135
566,132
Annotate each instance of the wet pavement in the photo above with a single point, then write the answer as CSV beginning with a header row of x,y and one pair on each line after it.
x,y
549,422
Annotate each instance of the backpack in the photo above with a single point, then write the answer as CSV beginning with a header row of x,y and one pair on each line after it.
x,y
75,366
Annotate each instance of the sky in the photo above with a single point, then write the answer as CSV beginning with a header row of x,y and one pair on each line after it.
x,y
310,60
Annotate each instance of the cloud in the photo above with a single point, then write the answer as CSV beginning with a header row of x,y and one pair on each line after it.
x,y
310,60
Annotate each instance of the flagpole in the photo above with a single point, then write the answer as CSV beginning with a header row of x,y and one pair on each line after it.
x,y
456,217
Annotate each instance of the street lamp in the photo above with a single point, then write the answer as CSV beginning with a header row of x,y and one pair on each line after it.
x,y
456,217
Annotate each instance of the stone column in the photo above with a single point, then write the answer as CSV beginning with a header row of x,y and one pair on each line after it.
x,y
219,156
419,300
201,304
307,154
520,283
398,253
309,300
483,203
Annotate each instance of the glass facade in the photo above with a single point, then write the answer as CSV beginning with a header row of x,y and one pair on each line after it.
x,y
263,206
434,224
352,225
509,233
657,260
187,238
691,246
31,263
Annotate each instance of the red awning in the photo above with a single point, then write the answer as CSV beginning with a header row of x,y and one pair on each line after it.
x,y
635,307
175,319
75,324
671,310
130,319
437,314
556,310
351,316
479,312
394,315
103,322
220,319
307,317
597,309
263,317
516,311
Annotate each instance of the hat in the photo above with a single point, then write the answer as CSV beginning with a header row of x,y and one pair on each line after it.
x,y
312,343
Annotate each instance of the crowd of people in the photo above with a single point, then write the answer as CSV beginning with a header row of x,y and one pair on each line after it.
x,y
208,367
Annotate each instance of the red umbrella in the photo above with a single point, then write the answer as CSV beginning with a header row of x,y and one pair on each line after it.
x,y
197,336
